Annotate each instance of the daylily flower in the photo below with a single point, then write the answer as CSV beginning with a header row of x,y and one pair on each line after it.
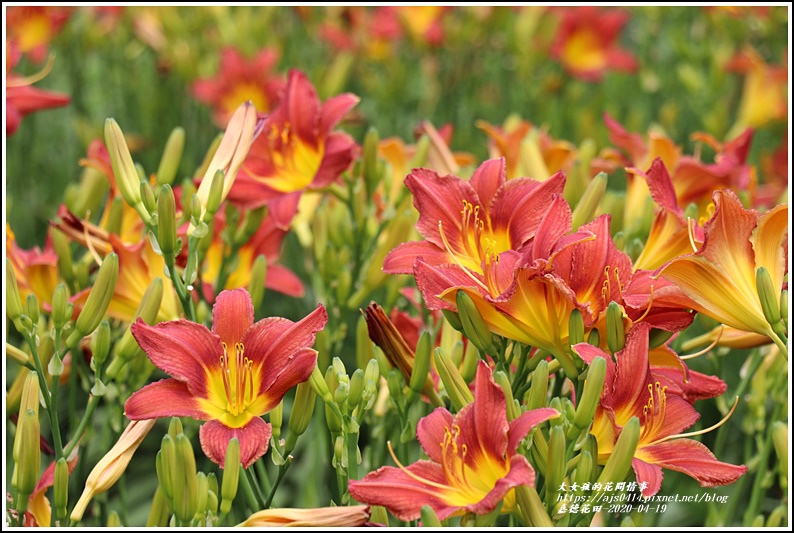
x,y
229,376
764,96
36,270
343,516
719,280
33,27
631,390
774,189
474,463
370,31
423,22
238,81
296,151
22,98
469,223
586,42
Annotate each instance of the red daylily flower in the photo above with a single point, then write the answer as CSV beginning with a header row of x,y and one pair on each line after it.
x,y
296,151
469,223
474,463
239,80
33,27
423,22
229,376
22,98
371,31
586,42
631,390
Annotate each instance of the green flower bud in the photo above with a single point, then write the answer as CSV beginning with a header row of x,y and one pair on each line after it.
x,y
32,305
356,388
166,222
276,416
768,294
127,348
26,441
363,343
588,203
100,344
501,379
256,285
344,281
195,209
302,410
172,154
123,167
165,466
619,461
468,367
784,307
594,338
202,493
113,519
657,337
185,480
340,453
98,300
591,395
175,427
777,516
396,382
231,475
457,389
251,223
317,382
17,355
214,490
555,464
528,498
421,369
158,515
379,515
429,517
539,387
372,372
61,314
147,196
60,242
115,216
453,318
61,488
575,328
13,301
591,446
212,502
780,442
616,336
584,468
474,327
370,157
215,196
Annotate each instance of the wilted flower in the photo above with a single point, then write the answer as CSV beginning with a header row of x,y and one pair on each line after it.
x,y
343,516
229,376
474,463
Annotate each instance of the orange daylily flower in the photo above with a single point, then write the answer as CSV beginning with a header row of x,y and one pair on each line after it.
x,y
36,270
371,31
764,96
33,27
423,22
586,42
719,280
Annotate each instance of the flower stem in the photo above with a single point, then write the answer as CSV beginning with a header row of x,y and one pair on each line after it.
x,y
48,397
281,471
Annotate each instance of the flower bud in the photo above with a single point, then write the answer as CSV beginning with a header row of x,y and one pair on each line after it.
x,y
594,338
575,328
98,300
780,440
110,468
61,313
453,318
616,336
28,458
777,516
213,491
620,459
591,395
396,383
340,454
421,367
356,388
555,464
231,475
588,203
172,154
584,468
344,516
185,480
100,344
784,307
32,305
215,196
61,488
166,221
317,382
457,389
370,157
127,348
468,367
202,493
147,196
13,301
123,167
474,327
256,285
301,414
768,294
657,337
60,244
115,216
276,417
429,517
513,410
539,387
386,336
114,520
17,355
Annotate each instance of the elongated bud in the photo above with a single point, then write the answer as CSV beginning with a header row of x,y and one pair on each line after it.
x,y
429,517
110,468
457,389
616,336
584,468
185,480
396,383
147,196
575,328
370,156
61,488
317,382
166,221
468,367
777,516
301,414
421,369
276,417
780,440
114,520
768,294
256,285
331,418
555,464
539,387
100,344
586,407
214,490
251,223
115,216
215,196
386,336
13,301
231,475
513,411
60,244
127,348
453,318
588,203
784,307
30,393
172,155
195,209
98,300
159,513
17,355
164,469
620,459
61,313
657,337
474,327
123,167
356,388
32,305
363,343
594,337
202,493
175,427
29,457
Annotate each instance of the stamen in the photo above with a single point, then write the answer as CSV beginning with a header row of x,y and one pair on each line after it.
x,y
647,309
707,349
690,227
454,258
33,78
89,238
702,431
414,476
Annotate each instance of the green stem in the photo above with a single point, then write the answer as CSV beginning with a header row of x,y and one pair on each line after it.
x,y
722,433
281,471
248,492
47,394
223,272
260,498
89,411
780,344
758,490
352,456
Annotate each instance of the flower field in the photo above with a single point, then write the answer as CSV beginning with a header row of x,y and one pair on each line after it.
x,y
397,265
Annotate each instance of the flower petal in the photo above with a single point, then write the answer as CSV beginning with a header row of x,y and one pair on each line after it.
x,y
183,349
283,374
521,473
232,315
768,242
334,109
401,259
167,397
283,208
487,180
253,437
648,473
431,432
340,150
521,426
281,279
